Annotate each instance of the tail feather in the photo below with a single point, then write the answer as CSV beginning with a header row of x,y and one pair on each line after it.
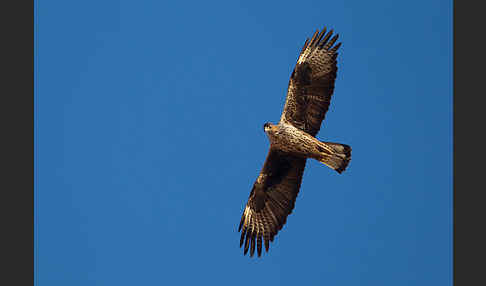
x,y
335,155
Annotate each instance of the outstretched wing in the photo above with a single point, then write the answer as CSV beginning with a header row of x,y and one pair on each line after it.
x,y
271,200
312,83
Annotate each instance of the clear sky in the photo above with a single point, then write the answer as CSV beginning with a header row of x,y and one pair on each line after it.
x,y
149,136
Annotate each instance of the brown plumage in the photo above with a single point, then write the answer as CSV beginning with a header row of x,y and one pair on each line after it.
x,y
292,141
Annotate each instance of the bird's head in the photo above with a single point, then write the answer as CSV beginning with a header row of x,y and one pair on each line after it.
x,y
268,127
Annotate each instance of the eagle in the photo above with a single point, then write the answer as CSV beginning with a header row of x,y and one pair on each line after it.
x,y
292,142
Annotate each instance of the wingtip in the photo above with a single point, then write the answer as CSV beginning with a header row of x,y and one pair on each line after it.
x,y
331,42
242,238
336,47
247,240
326,38
314,38
252,247
241,224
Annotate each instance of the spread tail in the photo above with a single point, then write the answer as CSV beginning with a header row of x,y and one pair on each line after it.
x,y
334,155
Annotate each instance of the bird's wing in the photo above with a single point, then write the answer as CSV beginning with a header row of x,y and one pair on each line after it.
x,y
271,200
312,83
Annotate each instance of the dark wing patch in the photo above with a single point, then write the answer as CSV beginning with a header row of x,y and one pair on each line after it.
x,y
312,83
271,200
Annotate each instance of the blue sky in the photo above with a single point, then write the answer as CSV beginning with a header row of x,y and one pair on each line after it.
x,y
149,136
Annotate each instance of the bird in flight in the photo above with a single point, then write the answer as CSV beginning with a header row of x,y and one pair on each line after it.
x,y
292,141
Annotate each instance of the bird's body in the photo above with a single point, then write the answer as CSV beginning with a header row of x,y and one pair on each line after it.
x,y
287,138
292,142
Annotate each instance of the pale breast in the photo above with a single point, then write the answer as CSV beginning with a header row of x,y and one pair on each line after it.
x,y
290,139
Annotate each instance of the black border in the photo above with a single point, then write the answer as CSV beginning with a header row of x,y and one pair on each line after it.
x,y
469,205
17,134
